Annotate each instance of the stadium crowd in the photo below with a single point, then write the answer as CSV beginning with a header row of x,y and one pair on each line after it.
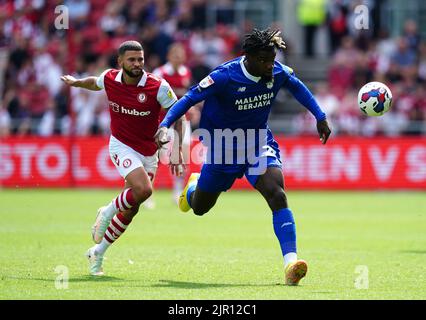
x,y
34,54
361,56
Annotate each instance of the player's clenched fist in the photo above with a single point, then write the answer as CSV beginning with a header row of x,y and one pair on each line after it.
x,y
324,130
160,137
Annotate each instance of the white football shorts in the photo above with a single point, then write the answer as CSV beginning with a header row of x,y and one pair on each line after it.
x,y
127,159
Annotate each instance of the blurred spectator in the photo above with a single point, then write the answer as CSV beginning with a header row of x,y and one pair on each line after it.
x,y
62,121
5,122
112,18
336,22
102,123
46,126
208,44
199,67
78,12
340,75
305,123
404,56
47,71
311,15
422,62
385,47
156,42
19,54
417,113
327,100
86,105
20,24
348,119
225,12
199,14
36,97
411,35
18,110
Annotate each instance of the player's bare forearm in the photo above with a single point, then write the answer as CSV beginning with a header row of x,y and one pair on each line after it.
x,y
88,83
177,165
180,130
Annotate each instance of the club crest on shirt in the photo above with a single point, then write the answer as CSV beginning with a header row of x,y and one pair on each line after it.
x,y
141,97
270,84
206,82
127,163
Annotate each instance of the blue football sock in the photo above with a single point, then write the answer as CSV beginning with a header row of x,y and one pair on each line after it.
x,y
285,230
190,190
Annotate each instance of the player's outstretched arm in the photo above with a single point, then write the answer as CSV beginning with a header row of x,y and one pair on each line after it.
x,y
88,83
179,129
161,138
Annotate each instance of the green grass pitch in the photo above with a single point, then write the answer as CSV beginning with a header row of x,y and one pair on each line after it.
x,y
359,245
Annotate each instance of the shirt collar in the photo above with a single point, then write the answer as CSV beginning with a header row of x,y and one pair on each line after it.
x,y
141,83
246,73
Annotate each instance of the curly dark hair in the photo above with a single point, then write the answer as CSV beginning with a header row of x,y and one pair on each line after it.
x,y
263,40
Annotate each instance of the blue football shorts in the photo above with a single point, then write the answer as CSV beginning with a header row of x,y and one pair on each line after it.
x,y
216,178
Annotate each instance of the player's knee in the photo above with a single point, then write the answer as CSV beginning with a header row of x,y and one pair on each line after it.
x,y
141,193
277,198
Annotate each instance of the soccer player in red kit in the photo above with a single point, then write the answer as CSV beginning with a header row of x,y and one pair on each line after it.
x,y
179,77
135,100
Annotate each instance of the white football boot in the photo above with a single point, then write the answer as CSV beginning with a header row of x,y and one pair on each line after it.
x,y
95,262
100,226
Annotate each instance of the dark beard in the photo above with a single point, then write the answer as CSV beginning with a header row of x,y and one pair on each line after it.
x,y
131,75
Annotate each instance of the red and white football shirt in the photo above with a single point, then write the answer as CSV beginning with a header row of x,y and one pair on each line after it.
x,y
135,109
179,80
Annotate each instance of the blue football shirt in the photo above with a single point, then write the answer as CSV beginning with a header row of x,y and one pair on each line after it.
x,y
235,99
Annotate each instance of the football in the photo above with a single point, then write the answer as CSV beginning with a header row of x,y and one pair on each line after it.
x,y
374,99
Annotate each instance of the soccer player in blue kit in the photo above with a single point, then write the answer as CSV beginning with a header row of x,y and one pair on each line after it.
x,y
238,95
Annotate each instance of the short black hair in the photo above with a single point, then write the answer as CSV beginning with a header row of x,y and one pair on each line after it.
x,y
129,46
264,40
